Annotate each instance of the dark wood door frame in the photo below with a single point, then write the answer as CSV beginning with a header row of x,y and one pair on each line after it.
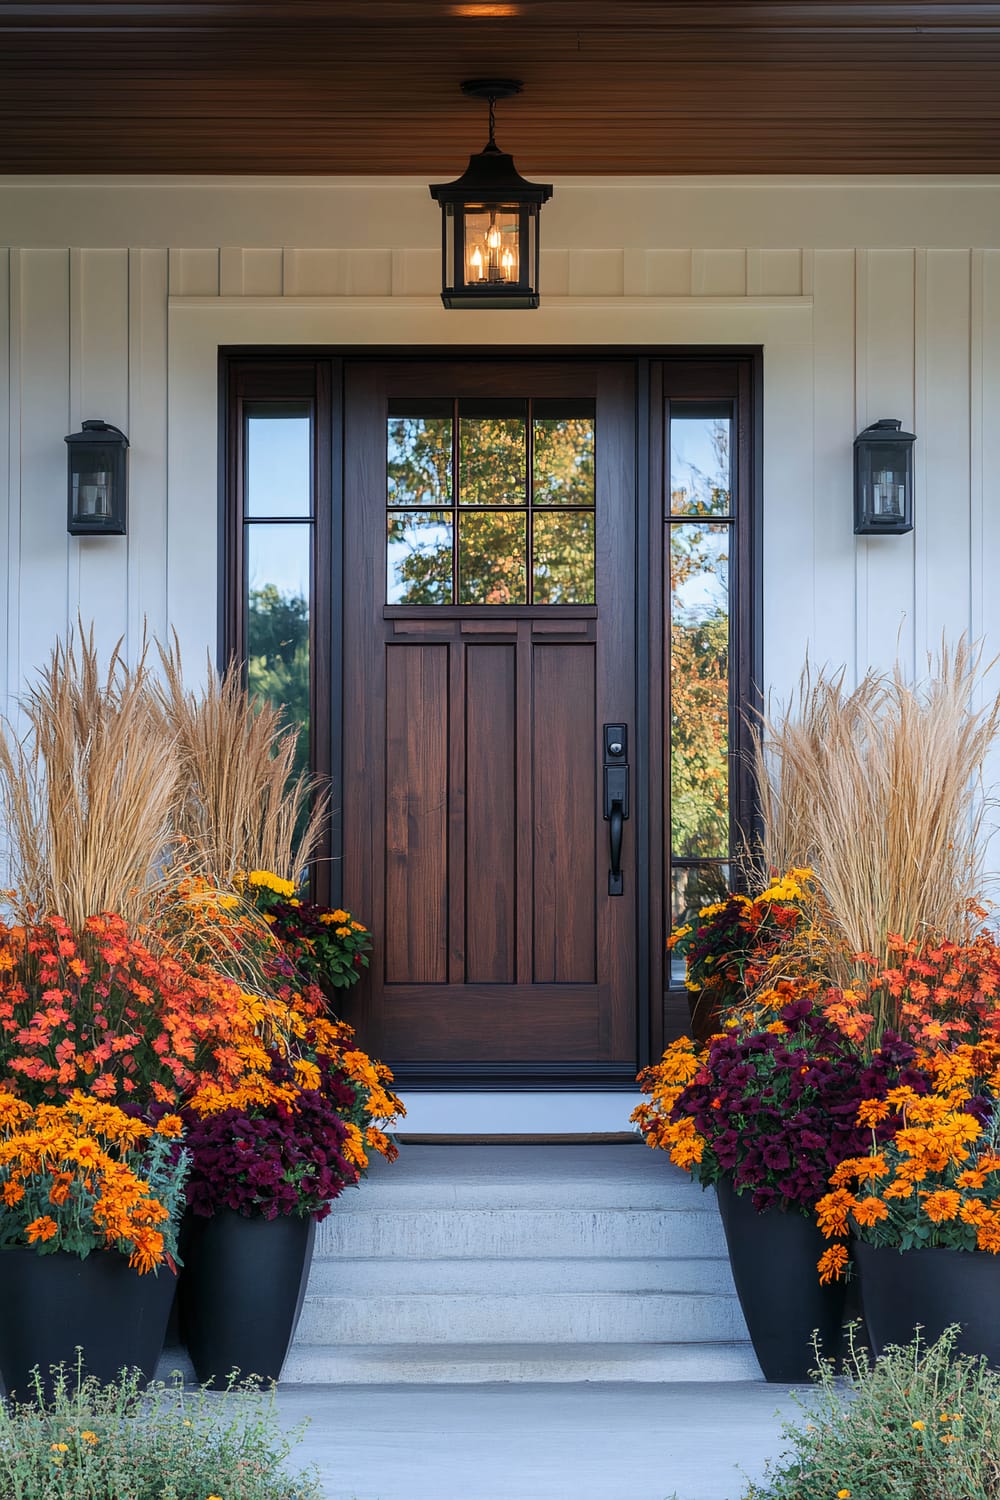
x,y
257,369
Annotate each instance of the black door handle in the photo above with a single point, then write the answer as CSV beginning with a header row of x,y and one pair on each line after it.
x,y
616,824
615,798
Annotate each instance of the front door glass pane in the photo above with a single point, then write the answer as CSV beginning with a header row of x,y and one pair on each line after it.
x,y
563,459
699,690
563,560
419,458
515,524
700,458
419,557
278,603
491,558
493,458
278,458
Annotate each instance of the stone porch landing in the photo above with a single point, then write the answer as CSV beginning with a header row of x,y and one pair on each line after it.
x,y
538,1442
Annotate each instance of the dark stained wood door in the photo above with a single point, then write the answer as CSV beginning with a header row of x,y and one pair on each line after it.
x,y
474,835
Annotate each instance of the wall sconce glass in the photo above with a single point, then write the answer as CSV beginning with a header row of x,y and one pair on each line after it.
x,y
883,479
98,484
489,221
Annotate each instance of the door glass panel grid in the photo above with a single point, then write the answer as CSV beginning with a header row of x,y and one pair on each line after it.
x,y
517,477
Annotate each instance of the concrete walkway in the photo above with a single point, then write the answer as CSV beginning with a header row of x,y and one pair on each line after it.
x,y
538,1442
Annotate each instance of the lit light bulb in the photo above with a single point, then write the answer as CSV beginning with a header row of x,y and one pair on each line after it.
x,y
507,261
493,237
476,262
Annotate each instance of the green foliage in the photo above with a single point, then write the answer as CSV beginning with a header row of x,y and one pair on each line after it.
x,y
116,1442
921,1423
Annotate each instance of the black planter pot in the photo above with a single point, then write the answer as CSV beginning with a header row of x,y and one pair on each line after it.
x,y
50,1304
932,1288
773,1257
241,1292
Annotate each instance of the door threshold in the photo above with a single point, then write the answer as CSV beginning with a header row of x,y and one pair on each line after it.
x,y
506,1113
594,1138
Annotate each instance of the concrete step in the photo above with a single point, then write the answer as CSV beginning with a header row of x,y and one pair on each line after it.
x,y
520,1233
458,1364
654,1273
447,1318
542,1176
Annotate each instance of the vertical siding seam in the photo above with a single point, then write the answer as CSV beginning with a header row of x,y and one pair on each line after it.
x,y
11,416
130,634
977,314
861,546
74,402
920,584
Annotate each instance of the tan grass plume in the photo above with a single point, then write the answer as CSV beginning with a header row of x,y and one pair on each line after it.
x,y
880,791
88,793
242,807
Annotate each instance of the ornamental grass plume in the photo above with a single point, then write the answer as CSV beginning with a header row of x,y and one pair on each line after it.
x,y
879,791
89,795
242,808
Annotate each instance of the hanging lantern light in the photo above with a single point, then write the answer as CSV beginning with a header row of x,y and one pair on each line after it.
x,y
489,221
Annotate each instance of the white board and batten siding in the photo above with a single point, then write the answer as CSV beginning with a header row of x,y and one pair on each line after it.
x,y
871,297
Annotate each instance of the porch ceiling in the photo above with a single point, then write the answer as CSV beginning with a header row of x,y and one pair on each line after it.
x,y
611,86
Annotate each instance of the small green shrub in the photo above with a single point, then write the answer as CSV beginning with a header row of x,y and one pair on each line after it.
x,y
920,1423
119,1442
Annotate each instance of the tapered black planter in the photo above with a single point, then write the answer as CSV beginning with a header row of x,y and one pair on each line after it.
x,y
50,1304
932,1288
241,1292
773,1257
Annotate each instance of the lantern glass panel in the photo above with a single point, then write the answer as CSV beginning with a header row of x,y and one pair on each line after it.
x,y
886,499
492,250
93,483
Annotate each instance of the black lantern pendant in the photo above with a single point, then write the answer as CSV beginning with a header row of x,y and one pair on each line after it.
x,y
97,480
489,222
883,479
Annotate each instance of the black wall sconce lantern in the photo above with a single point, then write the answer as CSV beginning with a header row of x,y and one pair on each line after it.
x,y
489,221
883,479
98,484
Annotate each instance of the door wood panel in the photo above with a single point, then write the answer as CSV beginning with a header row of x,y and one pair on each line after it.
x,y
474,835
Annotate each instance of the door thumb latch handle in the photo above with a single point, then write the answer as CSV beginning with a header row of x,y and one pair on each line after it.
x,y
616,820
615,798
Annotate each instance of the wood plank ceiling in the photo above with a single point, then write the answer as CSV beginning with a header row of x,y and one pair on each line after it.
x,y
610,86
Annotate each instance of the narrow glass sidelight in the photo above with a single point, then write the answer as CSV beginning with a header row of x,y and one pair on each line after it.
x,y
278,526
700,512
503,502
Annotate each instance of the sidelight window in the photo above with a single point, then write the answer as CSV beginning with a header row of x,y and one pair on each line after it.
x,y
701,517
278,522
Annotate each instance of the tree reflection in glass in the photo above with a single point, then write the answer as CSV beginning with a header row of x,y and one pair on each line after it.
x,y
419,557
492,460
563,467
418,460
564,557
491,558
699,690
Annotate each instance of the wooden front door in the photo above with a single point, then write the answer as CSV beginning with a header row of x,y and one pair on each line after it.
x,y
489,660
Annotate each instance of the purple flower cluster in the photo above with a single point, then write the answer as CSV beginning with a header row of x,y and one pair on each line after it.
x,y
777,1108
273,1160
